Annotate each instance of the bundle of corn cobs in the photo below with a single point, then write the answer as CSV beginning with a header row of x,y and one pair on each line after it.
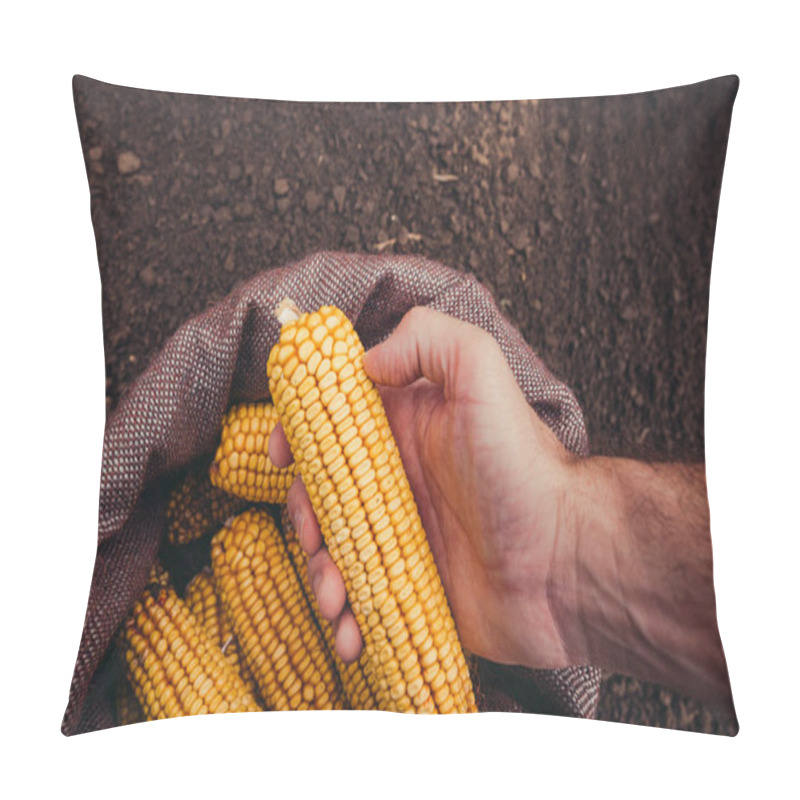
x,y
247,633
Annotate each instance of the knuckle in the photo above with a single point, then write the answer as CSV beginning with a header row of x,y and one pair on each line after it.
x,y
415,315
484,346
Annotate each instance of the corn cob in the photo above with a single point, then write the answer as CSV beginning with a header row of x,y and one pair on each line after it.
x,y
196,507
173,667
348,460
128,707
270,616
352,676
203,601
241,465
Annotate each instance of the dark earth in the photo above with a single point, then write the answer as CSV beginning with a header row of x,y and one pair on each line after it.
x,y
591,221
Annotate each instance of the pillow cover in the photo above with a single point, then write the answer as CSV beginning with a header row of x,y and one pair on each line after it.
x,y
589,221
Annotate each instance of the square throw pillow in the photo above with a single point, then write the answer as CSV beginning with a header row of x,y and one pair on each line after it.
x,y
513,516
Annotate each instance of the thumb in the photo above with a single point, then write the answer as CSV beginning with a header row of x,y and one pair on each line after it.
x,y
426,344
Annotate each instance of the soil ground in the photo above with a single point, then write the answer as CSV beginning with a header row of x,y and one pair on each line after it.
x,y
591,221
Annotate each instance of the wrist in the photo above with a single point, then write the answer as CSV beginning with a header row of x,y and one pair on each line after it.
x,y
572,533
591,609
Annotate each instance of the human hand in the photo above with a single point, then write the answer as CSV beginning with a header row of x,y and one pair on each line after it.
x,y
547,559
490,481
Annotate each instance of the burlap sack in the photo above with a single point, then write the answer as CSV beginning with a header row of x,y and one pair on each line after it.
x,y
171,416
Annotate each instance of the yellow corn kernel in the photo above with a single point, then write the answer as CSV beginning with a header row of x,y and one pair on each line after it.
x,y
383,527
242,466
173,666
270,616
158,574
196,508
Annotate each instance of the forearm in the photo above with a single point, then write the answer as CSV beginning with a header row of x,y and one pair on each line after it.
x,y
642,590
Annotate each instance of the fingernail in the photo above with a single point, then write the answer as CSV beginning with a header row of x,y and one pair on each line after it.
x,y
316,583
295,513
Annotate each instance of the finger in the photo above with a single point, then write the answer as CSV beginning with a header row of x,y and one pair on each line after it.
x,y
278,450
426,344
327,584
303,517
347,637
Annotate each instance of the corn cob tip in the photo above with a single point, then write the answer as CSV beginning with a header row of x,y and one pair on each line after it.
x,y
242,467
287,311
197,504
174,667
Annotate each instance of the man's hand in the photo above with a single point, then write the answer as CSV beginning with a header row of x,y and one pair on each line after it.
x,y
547,559
489,479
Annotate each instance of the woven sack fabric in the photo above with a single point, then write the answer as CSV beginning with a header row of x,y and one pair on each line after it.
x,y
171,416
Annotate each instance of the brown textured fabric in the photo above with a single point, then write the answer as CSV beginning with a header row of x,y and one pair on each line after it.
x,y
171,416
